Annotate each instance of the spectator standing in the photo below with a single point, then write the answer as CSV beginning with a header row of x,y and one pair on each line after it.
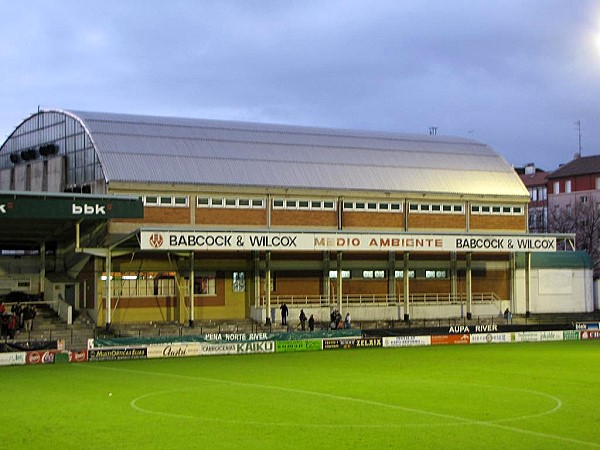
x,y
347,321
311,323
17,310
28,316
302,320
284,314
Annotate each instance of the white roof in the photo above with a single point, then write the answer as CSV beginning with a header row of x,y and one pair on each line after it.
x,y
134,148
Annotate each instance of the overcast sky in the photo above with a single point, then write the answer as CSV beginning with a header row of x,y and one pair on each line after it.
x,y
516,75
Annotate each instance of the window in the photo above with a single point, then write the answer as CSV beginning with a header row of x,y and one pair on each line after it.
x,y
598,183
204,283
435,274
239,282
333,274
400,274
568,186
583,199
556,187
378,274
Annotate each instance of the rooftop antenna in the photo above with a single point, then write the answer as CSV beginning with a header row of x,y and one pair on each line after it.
x,y
578,124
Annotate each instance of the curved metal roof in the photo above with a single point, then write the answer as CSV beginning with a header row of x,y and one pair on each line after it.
x,y
134,148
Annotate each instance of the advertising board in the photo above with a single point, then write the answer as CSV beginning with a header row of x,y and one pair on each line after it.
x,y
178,350
445,339
41,357
298,346
13,359
406,341
114,354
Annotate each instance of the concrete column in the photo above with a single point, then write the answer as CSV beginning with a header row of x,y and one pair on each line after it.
x,y
192,279
256,279
268,287
453,275
527,284
326,289
108,289
469,287
339,281
406,288
392,275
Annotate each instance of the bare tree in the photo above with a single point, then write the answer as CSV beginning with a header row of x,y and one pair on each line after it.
x,y
583,219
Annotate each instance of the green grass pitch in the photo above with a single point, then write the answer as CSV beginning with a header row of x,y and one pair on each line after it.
x,y
504,396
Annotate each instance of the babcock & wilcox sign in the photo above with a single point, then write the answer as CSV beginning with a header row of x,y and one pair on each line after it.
x,y
228,241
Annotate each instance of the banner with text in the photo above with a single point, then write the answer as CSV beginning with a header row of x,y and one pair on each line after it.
x,y
228,241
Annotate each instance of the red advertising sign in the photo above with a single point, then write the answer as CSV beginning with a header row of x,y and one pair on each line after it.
x,y
77,357
450,339
591,334
41,357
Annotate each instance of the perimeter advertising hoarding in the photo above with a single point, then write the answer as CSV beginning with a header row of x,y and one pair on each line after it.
x,y
450,339
406,341
298,346
587,325
539,336
236,348
41,357
585,335
13,359
78,357
178,350
492,338
113,354
232,241
332,344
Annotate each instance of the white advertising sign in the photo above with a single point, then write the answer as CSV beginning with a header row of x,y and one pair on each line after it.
x,y
173,350
491,338
406,341
13,359
229,240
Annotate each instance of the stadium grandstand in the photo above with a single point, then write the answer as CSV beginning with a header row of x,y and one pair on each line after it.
x,y
179,220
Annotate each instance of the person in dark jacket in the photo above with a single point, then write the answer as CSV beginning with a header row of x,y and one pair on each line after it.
x,y
302,320
311,323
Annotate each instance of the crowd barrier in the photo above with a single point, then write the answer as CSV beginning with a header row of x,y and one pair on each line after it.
x,y
252,343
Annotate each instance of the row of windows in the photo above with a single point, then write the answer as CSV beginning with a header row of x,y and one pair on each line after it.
x,y
381,274
163,200
328,205
497,209
568,186
230,202
152,284
325,205
373,206
436,208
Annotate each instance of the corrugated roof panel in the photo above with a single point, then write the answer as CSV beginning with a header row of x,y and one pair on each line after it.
x,y
211,152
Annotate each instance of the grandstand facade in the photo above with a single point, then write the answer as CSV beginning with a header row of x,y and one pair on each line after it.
x,y
240,218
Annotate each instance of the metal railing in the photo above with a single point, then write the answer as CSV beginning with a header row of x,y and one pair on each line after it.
x,y
380,299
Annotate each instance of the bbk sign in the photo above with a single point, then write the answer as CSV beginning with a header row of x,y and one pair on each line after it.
x,y
89,210
60,206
